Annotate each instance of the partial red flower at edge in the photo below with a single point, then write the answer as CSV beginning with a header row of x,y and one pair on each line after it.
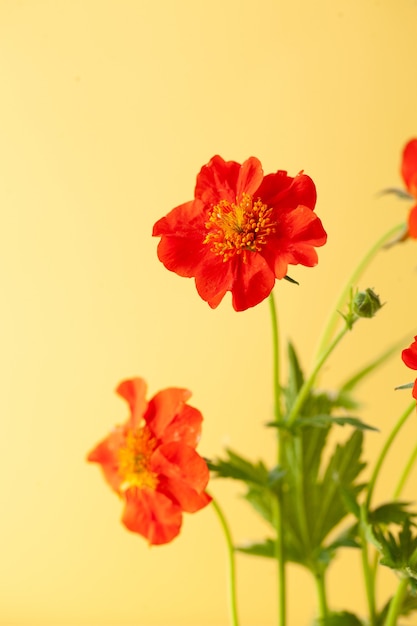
x,y
409,356
151,462
409,174
241,231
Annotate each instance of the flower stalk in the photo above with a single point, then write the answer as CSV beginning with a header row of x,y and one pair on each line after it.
x,y
279,522
234,620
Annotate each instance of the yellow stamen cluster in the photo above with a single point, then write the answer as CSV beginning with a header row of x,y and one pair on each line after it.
x,y
134,460
237,228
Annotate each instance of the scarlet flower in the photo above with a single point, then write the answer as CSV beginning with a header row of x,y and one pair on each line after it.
x,y
409,356
409,174
151,461
241,231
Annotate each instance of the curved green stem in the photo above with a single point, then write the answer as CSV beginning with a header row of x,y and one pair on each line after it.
x,y
321,593
335,316
405,473
279,522
305,389
232,569
384,451
396,603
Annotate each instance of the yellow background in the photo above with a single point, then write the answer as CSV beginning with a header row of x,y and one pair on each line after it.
x,y
108,109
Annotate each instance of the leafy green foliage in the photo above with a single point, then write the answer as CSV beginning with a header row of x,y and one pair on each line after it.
x,y
239,468
399,552
262,484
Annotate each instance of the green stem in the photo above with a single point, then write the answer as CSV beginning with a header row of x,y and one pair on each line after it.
x,y
396,603
275,358
405,473
232,569
321,593
279,522
369,577
335,316
385,449
305,389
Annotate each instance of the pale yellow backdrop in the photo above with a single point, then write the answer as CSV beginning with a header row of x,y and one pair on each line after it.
x,y
107,111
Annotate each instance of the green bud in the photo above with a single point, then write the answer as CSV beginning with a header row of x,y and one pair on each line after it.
x,y
366,303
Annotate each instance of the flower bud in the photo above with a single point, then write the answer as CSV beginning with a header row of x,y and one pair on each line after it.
x,y
366,303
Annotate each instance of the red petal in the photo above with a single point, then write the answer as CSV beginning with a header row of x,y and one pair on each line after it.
x,y
179,461
152,515
183,231
409,355
134,392
217,181
106,455
164,407
187,498
185,427
250,177
282,191
409,166
185,220
213,279
254,281
184,257
299,231
412,222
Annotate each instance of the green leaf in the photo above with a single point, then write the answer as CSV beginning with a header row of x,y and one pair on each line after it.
x,y
396,191
264,548
326,420
338,480
314,505
391,513
239,468
342,618
295,377
399,552
262,500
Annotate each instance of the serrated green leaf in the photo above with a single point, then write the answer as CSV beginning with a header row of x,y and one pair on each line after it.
x,y
346,539
239,468
391,513
399,552
321,421
342,470
262,500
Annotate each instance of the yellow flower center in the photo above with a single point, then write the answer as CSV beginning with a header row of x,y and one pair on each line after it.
x,y
134,460
237,228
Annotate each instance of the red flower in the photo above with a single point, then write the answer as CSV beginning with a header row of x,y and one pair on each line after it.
x,y
151,462
241,231
409,174
409,356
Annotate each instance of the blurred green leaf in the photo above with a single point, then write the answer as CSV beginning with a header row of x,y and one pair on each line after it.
x,y
399,552
342,618
239,468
